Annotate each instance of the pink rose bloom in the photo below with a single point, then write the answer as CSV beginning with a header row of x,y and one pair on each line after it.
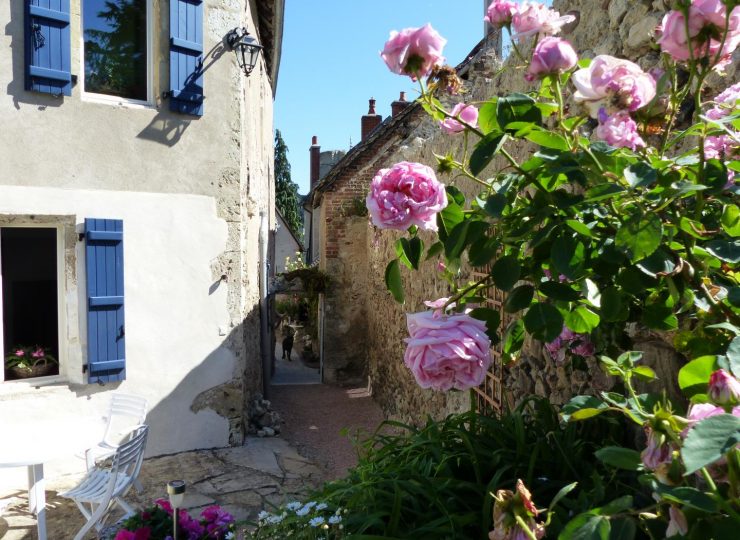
x,y
618,130
20,352
447,351
500,13
726,102
38,353
706,21
657,451
414,51
724,389
613,83
551,56
535,18
406,194
677,525
466,113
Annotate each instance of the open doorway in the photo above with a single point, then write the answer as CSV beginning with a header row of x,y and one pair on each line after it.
x,y
30,314
297,356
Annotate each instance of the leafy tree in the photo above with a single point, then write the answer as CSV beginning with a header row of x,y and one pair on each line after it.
x,y
286,191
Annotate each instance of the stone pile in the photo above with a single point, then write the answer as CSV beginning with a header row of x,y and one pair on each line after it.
x,y
263,421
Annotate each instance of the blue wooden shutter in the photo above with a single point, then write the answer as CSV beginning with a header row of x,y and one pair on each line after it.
x,y
106,351
186,56
47,47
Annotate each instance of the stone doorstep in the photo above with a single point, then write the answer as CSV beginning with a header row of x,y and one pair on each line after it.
x,y
263,473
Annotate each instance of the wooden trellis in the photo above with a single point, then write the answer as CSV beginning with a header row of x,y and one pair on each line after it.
x,y
490,399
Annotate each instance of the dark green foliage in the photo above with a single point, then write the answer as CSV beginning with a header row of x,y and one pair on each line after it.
x,y
437,481
286,191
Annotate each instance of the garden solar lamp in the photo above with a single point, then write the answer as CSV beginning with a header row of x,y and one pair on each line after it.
x,y
176,493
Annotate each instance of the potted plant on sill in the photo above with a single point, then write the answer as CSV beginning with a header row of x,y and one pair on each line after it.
x,y
26,362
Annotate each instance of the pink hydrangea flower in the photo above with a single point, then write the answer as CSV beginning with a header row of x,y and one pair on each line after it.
x,y
706,21
406,194
500,13
614,84
551,56
447,351
677,524
724,388
534,18
618,130
414,51
466,113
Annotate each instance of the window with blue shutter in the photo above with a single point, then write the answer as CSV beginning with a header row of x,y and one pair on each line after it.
x,y
47,47
106,351
186,56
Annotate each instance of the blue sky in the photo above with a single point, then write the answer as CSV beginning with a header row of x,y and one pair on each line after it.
x,y
331,65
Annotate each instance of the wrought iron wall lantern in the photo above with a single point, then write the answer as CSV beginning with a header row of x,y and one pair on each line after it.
x,y
246,48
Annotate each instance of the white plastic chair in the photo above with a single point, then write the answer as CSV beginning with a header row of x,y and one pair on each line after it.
x,y
124,412
101,490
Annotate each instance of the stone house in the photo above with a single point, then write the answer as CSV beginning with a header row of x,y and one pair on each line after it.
x,y
364,326
136,203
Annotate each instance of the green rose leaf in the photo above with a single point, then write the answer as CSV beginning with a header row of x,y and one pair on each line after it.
x,y
435,249
728,251
517,108
613,306
687,496
513,338
409,251
582,320
640,236
640,175
506,272
449,218
693,378
544,322
645,373
619,457
579,227
548,139
578,403
731,220
559,291
484,151
483,250
487,121
519,299
709,440
568,256
495,205
393,281
733,356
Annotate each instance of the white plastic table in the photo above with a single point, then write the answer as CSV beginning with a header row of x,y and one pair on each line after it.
x,y
31,444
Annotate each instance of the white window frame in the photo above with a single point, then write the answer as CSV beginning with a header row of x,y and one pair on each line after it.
x,y
61,311
92,97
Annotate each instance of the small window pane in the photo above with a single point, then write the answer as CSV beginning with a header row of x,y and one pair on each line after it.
x,y
115,48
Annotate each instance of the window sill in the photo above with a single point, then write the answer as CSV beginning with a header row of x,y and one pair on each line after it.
x,y
124,103
8,389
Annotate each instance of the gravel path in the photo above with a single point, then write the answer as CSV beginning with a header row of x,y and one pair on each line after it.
x,y
314,417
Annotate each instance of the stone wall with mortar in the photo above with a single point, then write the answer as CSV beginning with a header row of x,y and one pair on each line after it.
x,y
82,145
622,28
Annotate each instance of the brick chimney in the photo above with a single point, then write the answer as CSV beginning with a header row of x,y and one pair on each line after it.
x,y
399,105
315,152
370,121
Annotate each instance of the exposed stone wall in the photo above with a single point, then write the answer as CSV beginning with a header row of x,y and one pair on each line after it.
x,y
622,28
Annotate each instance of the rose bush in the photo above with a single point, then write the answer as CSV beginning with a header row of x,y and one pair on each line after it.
x,y
637,213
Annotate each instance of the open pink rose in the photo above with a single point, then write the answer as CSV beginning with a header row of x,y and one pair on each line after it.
x,y
406,194
534,18
466,113
500,13
618,130
706,23
613,83
551,56
414,51
447,351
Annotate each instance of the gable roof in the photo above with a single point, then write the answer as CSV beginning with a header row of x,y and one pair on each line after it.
x,y
289,229
383,131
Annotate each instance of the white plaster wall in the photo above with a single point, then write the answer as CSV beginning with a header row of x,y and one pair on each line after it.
x,y
285,245
174,317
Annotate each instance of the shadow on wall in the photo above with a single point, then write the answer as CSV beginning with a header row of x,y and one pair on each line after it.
x,y
17,85
168,419
166,128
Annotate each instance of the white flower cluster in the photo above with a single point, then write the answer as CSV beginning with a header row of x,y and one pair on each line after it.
x,y
311,520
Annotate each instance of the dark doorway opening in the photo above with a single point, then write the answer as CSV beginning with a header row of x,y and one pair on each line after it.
x,y
30,302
